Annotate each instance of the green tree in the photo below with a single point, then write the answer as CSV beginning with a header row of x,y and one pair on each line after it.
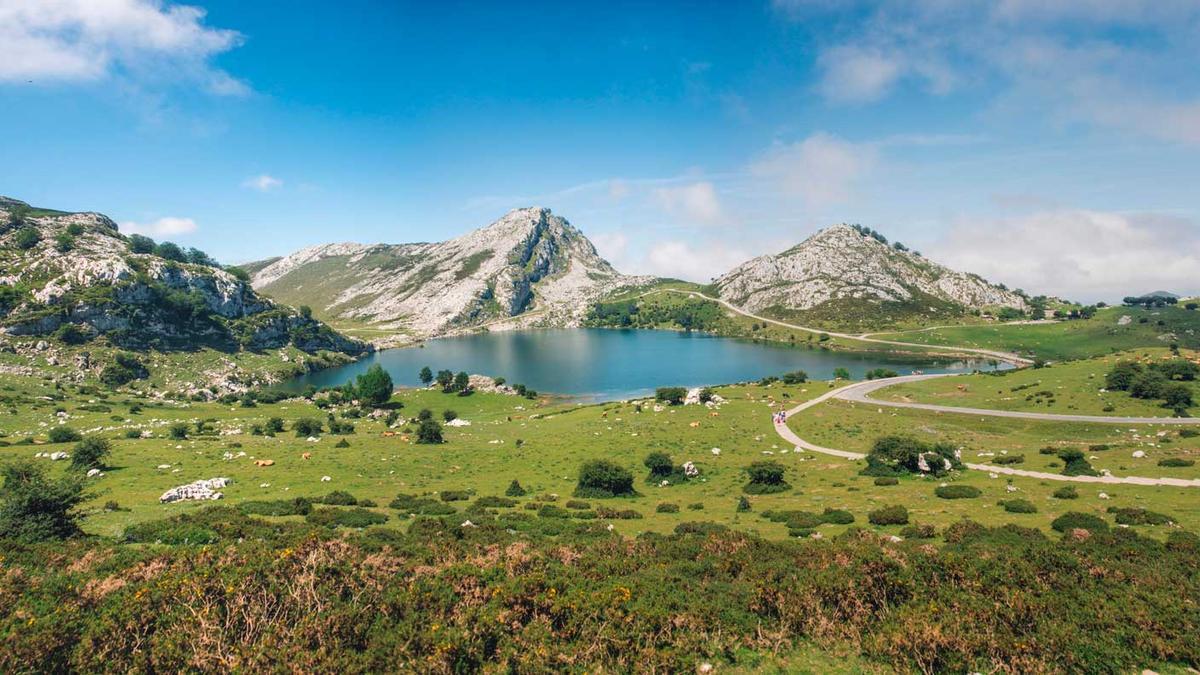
x,y
426,376
141,244
430,432
445,379
1177,397
90,453
170,251
374,386
670,395
602,478
659,463
36,508
462,382
26,238
841,373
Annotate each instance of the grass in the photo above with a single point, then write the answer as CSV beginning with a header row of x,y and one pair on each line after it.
x,y
1065,340
1071,387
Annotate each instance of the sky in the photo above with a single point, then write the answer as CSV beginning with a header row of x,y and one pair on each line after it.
x,y
1051,146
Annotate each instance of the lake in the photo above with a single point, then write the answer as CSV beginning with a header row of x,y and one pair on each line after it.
x,y
597,364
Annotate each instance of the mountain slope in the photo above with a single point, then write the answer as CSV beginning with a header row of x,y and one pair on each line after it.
x,y
531,267
848,275
74,278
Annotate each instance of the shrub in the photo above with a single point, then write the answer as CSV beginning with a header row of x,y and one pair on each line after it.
x,y
795,377
422,506
795,519
132,434
455,495
70,334
889,515
957,491
765,478
837,516
1009,459
275,424
552,511
1074,463
577,504
1188,433
1018,506
90,453
1176,462
497,502
743,504
62,434
1048,450
1067,492
342,443
338,498
26,238
429,433
449,415
124,369
702,528
900,455
615,514
659,463
886,480
34,507
307,427
602,478
915,531
1139,516
353,518
1075,520
670,395
667,507
374,387
696,506
515,489
278,507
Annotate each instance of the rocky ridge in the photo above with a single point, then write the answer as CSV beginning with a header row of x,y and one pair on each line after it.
x,y
844,263
529,268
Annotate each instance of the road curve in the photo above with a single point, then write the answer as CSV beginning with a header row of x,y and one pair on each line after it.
x,y
848,393
1007,357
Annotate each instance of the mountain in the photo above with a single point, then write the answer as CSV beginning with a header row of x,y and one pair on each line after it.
x,y
530,268
850,275
74,276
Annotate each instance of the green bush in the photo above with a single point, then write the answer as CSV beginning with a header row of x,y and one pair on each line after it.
x,y
429,433
765,478
1018,506
888,515
90,453
919,531
421,506
1139,516
496,502
618,514
515,489
601,478
374,387
702,528
455,495
670,395
307,427
1009,459
1176,462
837,516
278,507
1074,520
552,511
886,480
1188,433
124,369
666,507
34,507
743,504
577,504
957,491
893,456
338,498
1066,492
352,518
61,434
1074,463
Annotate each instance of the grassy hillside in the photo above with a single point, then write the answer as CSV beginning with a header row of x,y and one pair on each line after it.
x,y
1105,333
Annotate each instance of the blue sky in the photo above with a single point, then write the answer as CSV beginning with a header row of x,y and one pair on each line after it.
x,y
1052,146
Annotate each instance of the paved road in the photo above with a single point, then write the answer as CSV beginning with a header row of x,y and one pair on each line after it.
x,y
855,392
1007,357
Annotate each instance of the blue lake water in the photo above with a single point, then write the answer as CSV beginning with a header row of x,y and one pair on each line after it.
x,y
598,364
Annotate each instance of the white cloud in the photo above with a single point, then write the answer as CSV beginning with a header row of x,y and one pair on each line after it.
x,y
822,169
1082,255
695,202
262,183
89,40
163,227
682,260
612,246
857,75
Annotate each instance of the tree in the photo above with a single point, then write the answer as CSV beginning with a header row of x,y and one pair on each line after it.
x,y
170,251
374,386
449,415
430,432
36,508
659,464
670,395
795,377
238,273
90,453
1191,306
1121,376
445,380
63,435
70,334
602,478
841,373
425,414
515,489
1177,396
141,244
462,382
64,242
426,376
305,311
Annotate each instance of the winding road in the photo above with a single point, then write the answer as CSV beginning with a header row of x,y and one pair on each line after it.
x,y
858,392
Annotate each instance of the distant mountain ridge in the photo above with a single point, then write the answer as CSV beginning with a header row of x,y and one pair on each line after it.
x,y
529,268
843,266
